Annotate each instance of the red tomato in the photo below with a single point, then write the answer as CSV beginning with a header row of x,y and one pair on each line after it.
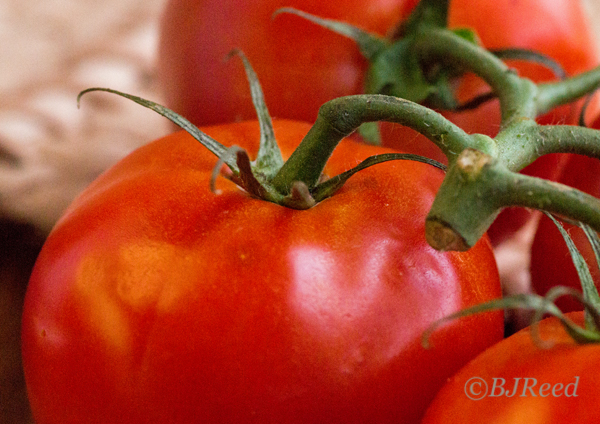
x,y
515,382
155,300
300,65
561,31
551,263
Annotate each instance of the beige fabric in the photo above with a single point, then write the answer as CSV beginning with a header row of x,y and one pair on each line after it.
x,y
49,150
50,50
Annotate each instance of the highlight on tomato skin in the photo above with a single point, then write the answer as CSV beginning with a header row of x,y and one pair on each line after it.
x,y
157,300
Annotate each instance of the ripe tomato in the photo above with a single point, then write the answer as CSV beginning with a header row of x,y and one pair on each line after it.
x,y
155,300
515,381
551,263
300,65
561,31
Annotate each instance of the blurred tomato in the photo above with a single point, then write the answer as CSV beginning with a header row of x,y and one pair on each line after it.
x,y
299,64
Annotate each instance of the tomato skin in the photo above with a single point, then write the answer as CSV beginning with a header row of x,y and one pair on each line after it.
x,y
156,300
299,64
518,357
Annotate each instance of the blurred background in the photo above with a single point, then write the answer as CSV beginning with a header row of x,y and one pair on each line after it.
x,y
49,149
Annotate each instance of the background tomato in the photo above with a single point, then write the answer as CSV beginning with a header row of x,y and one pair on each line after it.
x,y
559,29
566,368
156,300
300,65
551,263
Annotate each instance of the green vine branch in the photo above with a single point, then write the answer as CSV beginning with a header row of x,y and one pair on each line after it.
x,y
340,117
476,189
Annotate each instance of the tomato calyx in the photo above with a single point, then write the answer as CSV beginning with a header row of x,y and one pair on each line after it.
x,y
397,69
464,206
394,69
299,185
370,45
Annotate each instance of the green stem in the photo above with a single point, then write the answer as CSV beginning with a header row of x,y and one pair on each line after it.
x,y
558,199
551,95
340,117
519,97
478,186
567,139
516,94
523,142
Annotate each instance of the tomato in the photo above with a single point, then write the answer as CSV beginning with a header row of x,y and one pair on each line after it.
x,y
300,65
515,381
551,264
561,31
155,300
